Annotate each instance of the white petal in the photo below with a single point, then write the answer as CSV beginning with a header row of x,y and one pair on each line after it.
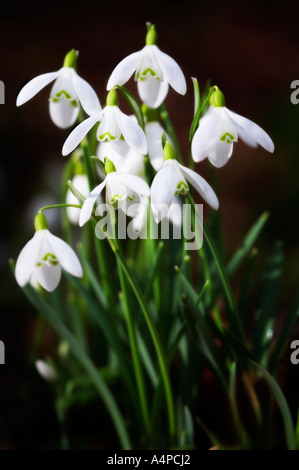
x,y
220,153
171,71
78,134
27,259
48,276
81,184
116,191
132,132
135,184
34,86
65,255
245,136
163,189
124,70
87,96
109,130
201,186
254,131
63,113
153,132
152,91
87,207
204,138
175,213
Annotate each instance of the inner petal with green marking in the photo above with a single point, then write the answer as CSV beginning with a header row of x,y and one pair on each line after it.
x,y
48,258
227,137
182,188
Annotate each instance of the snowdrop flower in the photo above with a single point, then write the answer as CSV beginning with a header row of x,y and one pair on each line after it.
x,y
43,256
46,370
119,188
125,159
80,182
219,128
171,180
114,124
68,91
154,72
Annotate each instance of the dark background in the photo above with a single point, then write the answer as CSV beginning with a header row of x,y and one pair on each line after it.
x,y
250,50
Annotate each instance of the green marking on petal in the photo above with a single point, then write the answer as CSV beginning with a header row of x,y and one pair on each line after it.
x,y
49,255
182,188
115,198
131,198
227,137
65,93
39,265
107,136
53,262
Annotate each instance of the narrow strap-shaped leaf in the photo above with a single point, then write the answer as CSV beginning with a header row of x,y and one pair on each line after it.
x,y
284,334
282,403
265,314
85,361
247,244
197,109
134,105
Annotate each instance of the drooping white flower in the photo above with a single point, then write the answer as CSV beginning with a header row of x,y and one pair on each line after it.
x,y
114,125
46,370
171,180
68,91
154,72
219,128
119,188
125,159
44,256
80,182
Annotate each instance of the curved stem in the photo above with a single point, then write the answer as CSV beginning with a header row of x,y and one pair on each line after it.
x,y
57,206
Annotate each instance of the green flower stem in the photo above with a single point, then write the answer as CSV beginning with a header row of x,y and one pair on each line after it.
x,y
170,130
57,206
155,337
135,351
235,321
87,163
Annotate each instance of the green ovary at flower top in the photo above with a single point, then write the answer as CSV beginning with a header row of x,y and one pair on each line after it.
x,y
68,92
219,128
114,124
154,72
171,180
43,256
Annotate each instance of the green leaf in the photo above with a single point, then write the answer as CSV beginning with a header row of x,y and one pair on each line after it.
x,y
284,334
282,403
77,350
247,244
76,193
265,314
134,105
197,109
202,337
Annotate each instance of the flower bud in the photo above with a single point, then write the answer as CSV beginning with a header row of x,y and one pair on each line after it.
x,y
40,222
70,59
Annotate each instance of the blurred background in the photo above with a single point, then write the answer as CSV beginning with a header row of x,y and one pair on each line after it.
x,y
249,49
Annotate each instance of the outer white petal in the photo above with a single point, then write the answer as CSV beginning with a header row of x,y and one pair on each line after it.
x,y
220,153
86,209
78,134
81,184
245,136
35,85
152,91
153,132
63,113
135,184
204,138
163,189
124,70
65,255
172,72
175,213
27,259
125,159
86,94
254,131
132,132
201,186
48,276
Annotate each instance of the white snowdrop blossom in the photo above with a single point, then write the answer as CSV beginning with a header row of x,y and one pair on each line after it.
x,y
114,125
46,371
153,132
154,72
80,182
119,189
219,128
44,256
171,180
125,159
68,91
